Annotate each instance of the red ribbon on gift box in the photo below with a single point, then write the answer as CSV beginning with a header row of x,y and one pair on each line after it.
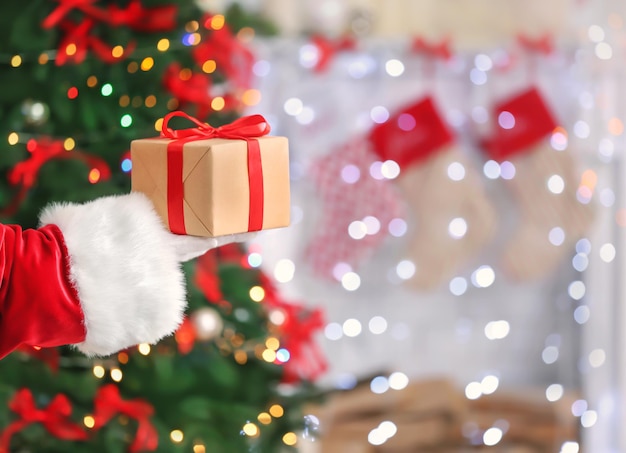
x,y
247,128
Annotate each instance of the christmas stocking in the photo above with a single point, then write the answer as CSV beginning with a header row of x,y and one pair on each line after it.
x,y
554,208
350,194
451,219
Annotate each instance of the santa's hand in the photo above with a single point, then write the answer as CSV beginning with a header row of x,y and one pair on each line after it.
x,y
190,247
126,269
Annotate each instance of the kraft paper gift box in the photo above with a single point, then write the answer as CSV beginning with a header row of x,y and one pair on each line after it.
x,y
236,182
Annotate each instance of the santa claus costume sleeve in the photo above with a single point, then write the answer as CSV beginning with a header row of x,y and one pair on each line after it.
x,y
102,276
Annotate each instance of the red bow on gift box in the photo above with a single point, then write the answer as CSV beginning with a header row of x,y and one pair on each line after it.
x,y
54,418
109,403
247,128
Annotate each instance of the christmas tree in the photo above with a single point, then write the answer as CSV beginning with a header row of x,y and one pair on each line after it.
x,y
81,79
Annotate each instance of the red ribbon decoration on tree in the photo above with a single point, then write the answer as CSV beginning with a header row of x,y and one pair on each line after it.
x,y
54,418
109,403
327,49
25,173
246,128
135,16
543,44
194,90
66,6
296,333
434,50
79,36
231,56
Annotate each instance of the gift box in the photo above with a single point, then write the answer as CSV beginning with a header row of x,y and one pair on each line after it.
x,y
207,181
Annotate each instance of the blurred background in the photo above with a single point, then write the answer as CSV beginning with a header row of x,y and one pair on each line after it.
x,y
451,280
524,304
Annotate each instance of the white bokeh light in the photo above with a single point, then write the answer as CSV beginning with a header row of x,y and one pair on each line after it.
x,y
284,270
607,253
394,67
398,380
473,390
492,436
604,51
554,392
379,385
357,229
582,314
550,354
350,173
351,281
333,331
309,55
497,330
456,171
483,277
397,227
372,225
491,169
556,184
576,290
457,228
458,286
379,114
390,169
293,106
489,384
556,236
506,120
478,77
351,327
405,269
570,447
378,325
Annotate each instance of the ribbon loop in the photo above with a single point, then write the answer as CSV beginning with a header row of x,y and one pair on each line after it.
x,y
108,403
244,128
54,418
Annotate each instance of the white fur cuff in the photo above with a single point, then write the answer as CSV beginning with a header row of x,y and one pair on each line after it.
x,y
125,269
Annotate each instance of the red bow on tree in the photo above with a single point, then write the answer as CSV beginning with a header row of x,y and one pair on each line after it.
x,y
54,418
296,334
189,90
231,56
433,50
327,49
79,40
109,403
135,16
543,44
24,174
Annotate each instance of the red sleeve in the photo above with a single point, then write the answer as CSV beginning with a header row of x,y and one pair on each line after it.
x,y
38,304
